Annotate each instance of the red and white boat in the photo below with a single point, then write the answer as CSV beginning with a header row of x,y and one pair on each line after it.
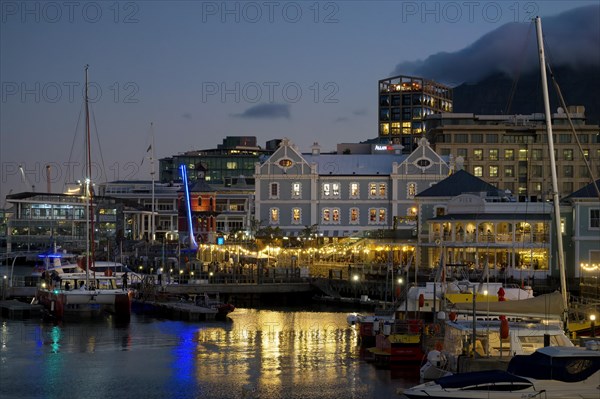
x,y
79,295
86,293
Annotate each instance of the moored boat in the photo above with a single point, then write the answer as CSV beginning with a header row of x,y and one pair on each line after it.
x,y
368,326
222,308
79,295
399,342
550,372
496,341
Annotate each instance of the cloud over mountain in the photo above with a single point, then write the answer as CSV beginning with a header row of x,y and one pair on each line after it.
x,y
571,39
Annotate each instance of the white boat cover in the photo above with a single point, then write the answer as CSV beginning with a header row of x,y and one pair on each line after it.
x,y
547,305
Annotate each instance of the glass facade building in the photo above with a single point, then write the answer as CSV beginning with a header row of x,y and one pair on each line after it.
x,y
404,102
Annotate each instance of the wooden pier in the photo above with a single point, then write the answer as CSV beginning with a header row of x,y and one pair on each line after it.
x,y
187,311
19,310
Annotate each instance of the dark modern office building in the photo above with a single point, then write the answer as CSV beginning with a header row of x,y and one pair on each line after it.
x,y
225,165
404,102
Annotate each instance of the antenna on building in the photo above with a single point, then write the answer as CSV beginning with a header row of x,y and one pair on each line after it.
x,y
48,182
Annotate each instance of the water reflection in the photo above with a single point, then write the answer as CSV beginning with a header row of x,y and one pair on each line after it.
x,y
292,354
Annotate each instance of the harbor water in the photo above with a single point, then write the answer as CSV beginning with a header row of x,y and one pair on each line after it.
x,y
282,353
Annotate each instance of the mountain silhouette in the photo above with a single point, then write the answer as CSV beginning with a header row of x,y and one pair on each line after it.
x,y
494,94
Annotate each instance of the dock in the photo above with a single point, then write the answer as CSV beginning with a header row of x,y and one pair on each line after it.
x,y
14,309
186,311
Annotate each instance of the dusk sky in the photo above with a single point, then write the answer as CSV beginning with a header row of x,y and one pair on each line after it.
x,y
200,71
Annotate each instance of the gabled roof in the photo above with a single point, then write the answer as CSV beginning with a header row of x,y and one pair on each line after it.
x,y
201,186
459,183
586,192
356,164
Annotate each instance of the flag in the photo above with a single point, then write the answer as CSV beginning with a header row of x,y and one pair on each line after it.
x,y
147,151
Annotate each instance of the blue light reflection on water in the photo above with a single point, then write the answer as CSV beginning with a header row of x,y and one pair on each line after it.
x,y
283,354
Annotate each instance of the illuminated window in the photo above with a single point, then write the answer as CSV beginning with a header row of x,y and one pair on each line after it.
x,y
377,216
568,155
285,163
231,165
296,216
354,218
494,155
372,190
522,154
382,218
478,171
274,190
384,129
493,171
331,190
412,190
478,155
382,190
296,190
331,215
509,171
372,216
509,154
274,215
354,190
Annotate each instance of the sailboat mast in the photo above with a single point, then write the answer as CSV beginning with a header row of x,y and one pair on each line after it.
x,y
88,182
556,201
152,217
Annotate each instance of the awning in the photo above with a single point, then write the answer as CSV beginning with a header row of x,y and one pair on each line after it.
x,y
331,233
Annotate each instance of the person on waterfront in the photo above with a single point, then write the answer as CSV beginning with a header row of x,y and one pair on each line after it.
x,y
67,286
82,286
124,281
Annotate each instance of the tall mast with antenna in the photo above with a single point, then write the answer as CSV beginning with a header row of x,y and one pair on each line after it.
x,y
88,173
556,201
152,217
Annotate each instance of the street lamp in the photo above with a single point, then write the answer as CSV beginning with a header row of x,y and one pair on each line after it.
x,y
593,324
355,279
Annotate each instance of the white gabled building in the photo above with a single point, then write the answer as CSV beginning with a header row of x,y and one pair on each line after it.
x,y
345,193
